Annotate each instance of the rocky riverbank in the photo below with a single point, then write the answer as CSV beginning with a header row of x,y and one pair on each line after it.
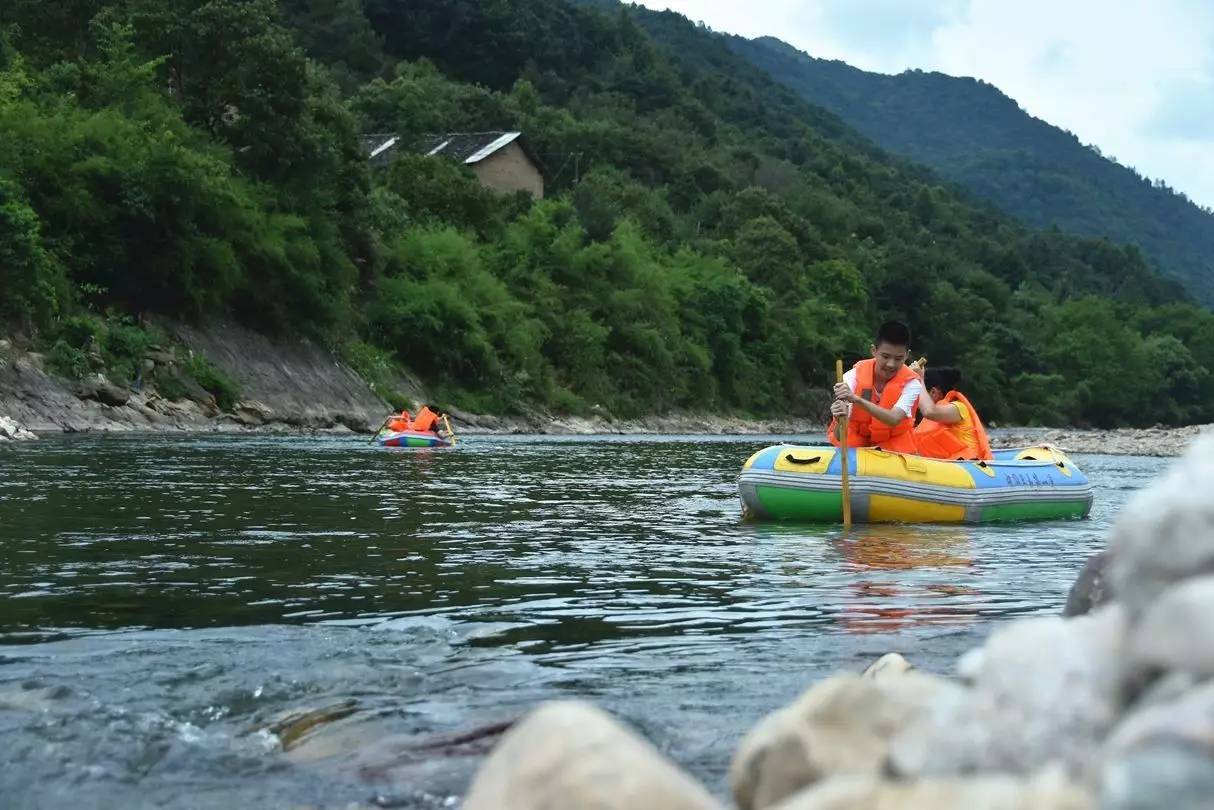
x,y
298,385
289,386
1112,709
1156,441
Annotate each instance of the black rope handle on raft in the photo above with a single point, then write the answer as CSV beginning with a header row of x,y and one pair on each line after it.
x,y
794,460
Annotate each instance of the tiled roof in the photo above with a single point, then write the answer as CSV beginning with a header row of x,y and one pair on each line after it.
x,y
469,147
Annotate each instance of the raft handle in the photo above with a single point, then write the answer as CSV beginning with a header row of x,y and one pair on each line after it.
x,y
791,459
987,469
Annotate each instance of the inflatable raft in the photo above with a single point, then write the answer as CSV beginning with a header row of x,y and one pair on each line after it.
x,y
804,483
410,438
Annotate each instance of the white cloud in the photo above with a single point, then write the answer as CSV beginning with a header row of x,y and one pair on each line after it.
x,y
1136,77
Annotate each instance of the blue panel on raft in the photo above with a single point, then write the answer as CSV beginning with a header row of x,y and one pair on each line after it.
x,y
1024,474
836,463
766,459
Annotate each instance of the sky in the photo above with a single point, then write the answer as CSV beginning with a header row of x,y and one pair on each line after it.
x,y
1133,77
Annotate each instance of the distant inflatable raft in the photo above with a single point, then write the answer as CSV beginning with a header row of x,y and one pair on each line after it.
x,y
803,483
411,438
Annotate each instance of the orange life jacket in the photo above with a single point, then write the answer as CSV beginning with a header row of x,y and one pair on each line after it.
x,y
426,421
400,422
965,439
865,431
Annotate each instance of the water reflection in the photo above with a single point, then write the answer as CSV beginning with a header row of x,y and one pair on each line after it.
x,y
935,594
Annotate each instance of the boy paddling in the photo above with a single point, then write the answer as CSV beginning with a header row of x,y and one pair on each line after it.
x,y
881,395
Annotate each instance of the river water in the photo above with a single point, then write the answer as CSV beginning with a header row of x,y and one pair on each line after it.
x,y
163,597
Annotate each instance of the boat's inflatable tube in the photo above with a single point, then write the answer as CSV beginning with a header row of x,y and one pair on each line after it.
x,y
803,483
411,438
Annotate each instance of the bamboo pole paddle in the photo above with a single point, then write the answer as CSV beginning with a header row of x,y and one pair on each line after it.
x,y
381,427
450,432
842,423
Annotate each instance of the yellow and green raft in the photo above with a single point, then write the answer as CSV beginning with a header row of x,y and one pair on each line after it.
x,y
803,483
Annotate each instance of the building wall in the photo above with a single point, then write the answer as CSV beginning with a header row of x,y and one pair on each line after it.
x,y
508,170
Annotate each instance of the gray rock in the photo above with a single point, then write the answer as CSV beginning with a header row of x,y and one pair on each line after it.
x,y
89,386
357,422
98,388
252,413
1044,690
160,357
1188,718
1176,632
1162,754
840,726
1166,533
113,395
1091,588
1049,791
1158,775
570,754
1165,689
11,431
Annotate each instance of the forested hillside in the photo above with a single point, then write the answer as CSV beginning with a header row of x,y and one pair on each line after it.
x,y
975,135
709,240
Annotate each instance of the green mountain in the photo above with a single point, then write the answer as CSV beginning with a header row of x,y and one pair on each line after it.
x,y
708,239
975,135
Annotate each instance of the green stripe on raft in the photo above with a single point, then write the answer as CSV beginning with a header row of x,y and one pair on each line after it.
x,y
1056,510
793,504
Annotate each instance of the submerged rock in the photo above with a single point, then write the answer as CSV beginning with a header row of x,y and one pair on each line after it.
x,y
840,726
292,725
888,666
1092,588
570,754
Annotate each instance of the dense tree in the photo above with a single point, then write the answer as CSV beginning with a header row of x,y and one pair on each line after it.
x,y
709,240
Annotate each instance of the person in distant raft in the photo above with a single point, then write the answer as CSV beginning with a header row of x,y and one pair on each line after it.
x,y
950,428
426,420
399,422
881,394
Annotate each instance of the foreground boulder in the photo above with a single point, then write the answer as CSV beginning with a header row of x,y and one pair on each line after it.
x,y
1044,691
1050,791
843,725
1166,533
568,754
1162,755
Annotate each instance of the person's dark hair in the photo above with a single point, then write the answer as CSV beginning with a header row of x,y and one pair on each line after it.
x,y
894,333
945,378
